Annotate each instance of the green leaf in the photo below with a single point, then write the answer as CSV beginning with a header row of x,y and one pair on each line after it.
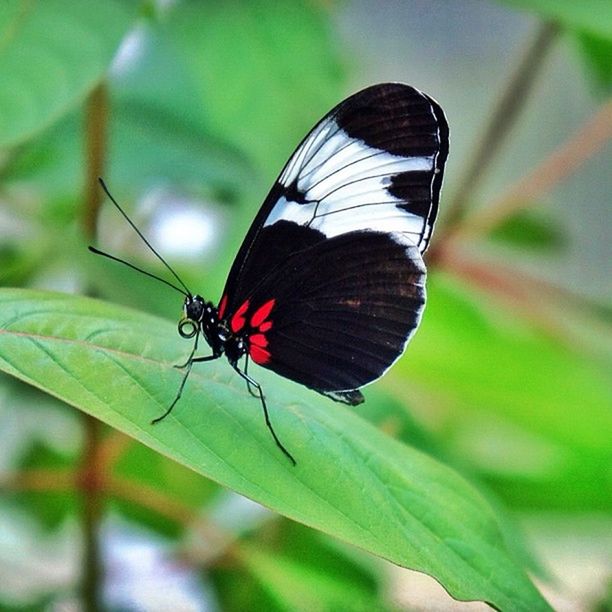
x,y
293,556
296,585
526,411
49,506
592,16
52,54
351,480
597,54
530,231
141,466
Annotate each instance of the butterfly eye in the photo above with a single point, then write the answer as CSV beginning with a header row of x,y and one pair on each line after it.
x,y
187,328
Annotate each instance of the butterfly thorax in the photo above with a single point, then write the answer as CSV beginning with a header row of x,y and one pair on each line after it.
x,y
200,316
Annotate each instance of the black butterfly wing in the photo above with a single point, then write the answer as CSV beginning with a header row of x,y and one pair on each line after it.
x,y
329,282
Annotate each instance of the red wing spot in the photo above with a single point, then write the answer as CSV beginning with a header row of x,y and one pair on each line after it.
x,y
238,320
264,327
222,306
261,314
258,340
259,355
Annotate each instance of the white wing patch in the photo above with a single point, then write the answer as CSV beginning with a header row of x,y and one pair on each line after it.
x,y
343,184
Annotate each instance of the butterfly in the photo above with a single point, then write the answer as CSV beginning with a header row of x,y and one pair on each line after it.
x,y
328,286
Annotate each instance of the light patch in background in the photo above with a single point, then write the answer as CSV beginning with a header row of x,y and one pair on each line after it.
x,y
130,52
33,562
179,226
142,573
29,416
142,570
501,447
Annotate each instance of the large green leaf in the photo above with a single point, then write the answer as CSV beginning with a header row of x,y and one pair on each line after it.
x,y
592,16
351,480
52,53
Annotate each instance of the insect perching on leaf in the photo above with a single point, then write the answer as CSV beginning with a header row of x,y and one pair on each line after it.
x,y
329,283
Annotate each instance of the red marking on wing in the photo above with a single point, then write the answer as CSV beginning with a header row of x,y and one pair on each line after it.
x,y
258,340
222,306
258,354
238,320
261,314
264,327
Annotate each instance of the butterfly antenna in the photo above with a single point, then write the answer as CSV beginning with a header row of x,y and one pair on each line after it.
x,y
142,237
129,265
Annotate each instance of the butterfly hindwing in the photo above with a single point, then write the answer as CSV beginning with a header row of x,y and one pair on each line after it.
x,y
335,315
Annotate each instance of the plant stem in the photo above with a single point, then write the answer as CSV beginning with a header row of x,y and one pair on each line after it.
x,y
92,507
91,474
505,114
558,166
95,150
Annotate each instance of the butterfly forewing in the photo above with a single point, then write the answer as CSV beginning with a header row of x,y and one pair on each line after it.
x,y
328,285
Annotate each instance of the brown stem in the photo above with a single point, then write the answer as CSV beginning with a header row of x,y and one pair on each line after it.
x,y
91,473
505,114
95,151
585,143
42,480
90,486
45,480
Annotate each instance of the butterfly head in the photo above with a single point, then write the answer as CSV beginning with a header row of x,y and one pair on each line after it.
x,y
196,313
200,316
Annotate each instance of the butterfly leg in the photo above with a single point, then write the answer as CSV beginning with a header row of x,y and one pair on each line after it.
x,y
260,394
190,358
246,371
188,364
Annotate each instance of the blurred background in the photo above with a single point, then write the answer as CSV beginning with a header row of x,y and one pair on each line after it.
x,y
189,110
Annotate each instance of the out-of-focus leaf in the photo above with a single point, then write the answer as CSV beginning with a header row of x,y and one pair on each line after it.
x,y
168,482
236,590
50,506
597,54
52,53
34,604
358,575
351,480
17,263
303,545
592,16
527,412
297,585
146,150
264,72
529,231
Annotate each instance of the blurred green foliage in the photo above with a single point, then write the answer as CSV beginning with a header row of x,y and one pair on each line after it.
x,y
506,382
